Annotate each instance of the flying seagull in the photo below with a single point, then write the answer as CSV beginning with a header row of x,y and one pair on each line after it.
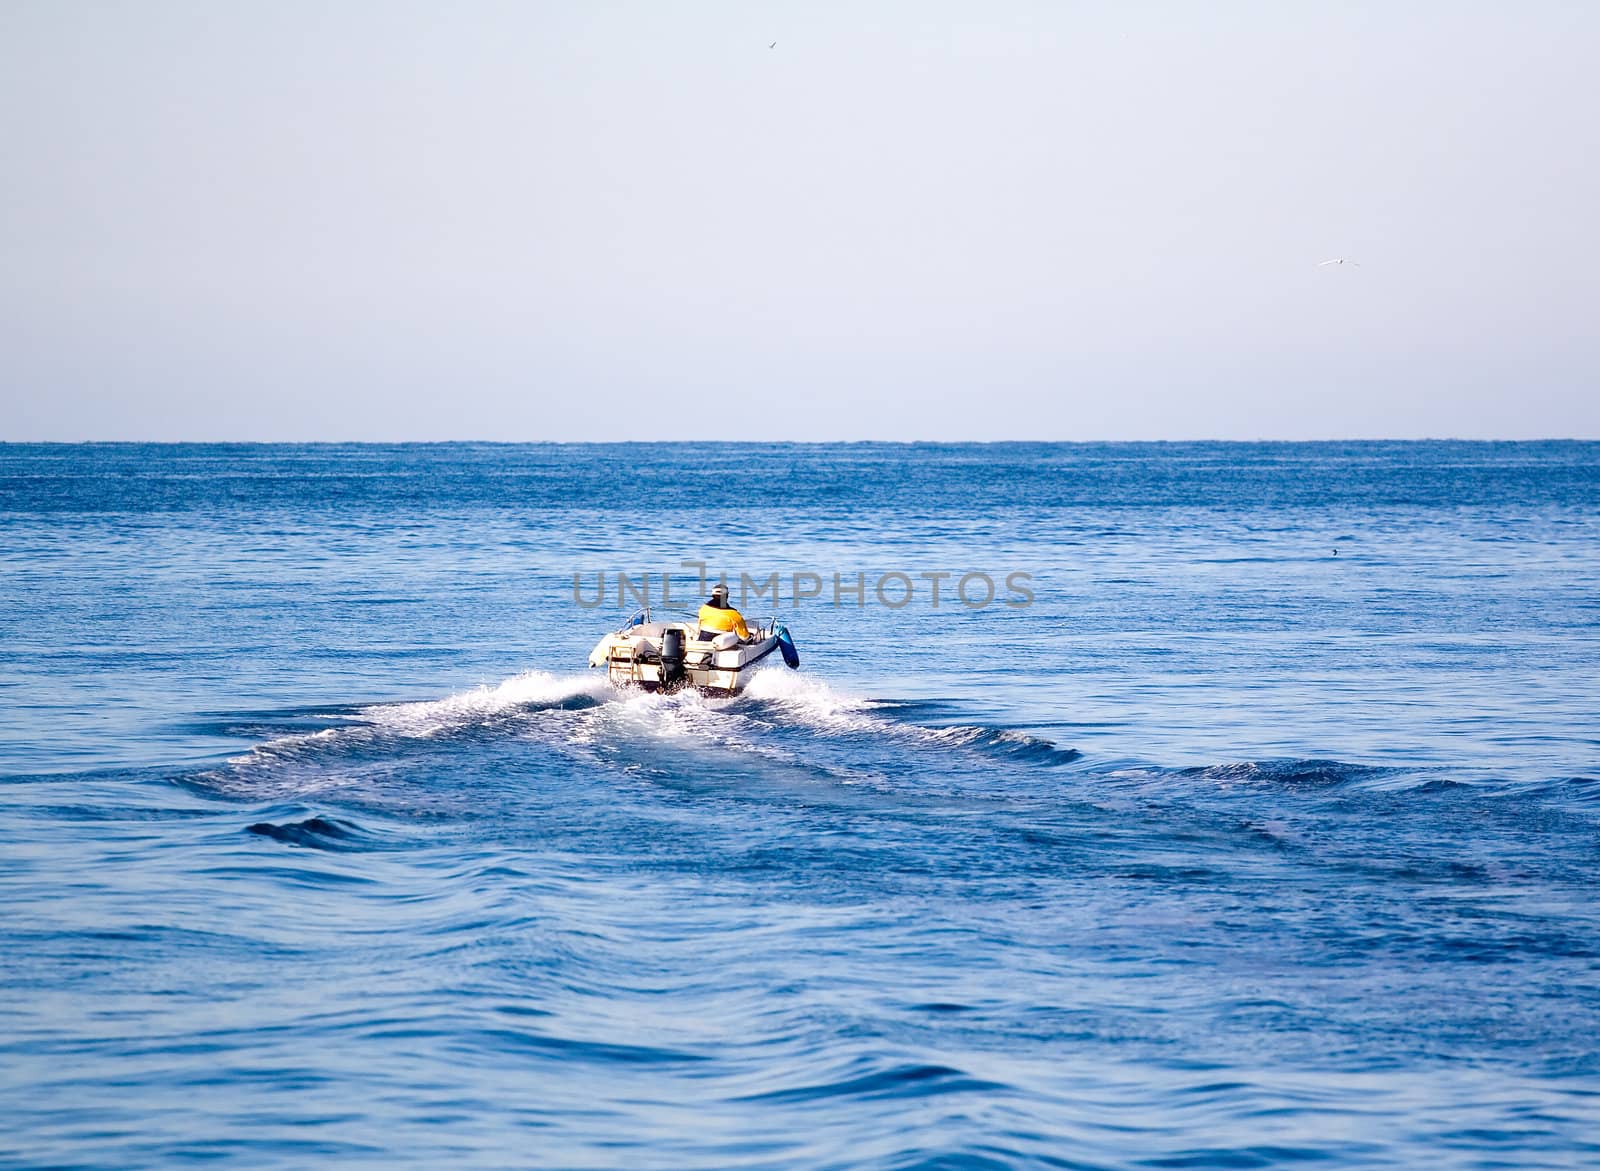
x,y
1339,260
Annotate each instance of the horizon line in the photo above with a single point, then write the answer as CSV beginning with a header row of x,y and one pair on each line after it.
x,y
763,442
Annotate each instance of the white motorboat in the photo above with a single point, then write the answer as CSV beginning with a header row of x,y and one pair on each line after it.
x,y
667,656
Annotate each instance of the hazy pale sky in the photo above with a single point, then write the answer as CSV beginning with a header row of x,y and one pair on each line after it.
x,y
915,220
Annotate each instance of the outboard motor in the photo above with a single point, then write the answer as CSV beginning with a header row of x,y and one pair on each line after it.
x,y
672,673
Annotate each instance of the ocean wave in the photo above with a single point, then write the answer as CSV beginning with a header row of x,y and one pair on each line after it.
x,y
1288,773
317,833
915,1082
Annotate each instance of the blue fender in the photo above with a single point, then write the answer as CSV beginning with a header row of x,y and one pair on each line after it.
x,y
791,657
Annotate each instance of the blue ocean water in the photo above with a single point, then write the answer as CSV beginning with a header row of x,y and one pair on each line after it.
x,y
1267,833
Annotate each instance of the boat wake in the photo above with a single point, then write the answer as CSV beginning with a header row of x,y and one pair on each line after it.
x,y
784,729
482,706
781,723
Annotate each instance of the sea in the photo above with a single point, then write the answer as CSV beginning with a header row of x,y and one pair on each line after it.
x,y
1231,806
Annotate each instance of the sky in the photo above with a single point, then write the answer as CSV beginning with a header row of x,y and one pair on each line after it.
x,y
910,219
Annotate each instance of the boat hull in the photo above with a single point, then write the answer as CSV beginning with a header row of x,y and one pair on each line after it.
x,y
724,666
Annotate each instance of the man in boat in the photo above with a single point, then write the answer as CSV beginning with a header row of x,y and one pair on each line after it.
x,y
717,616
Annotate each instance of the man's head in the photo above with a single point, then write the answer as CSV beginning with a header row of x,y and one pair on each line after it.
x,y
719,596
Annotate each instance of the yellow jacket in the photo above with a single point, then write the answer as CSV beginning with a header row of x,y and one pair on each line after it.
x,y
711,618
